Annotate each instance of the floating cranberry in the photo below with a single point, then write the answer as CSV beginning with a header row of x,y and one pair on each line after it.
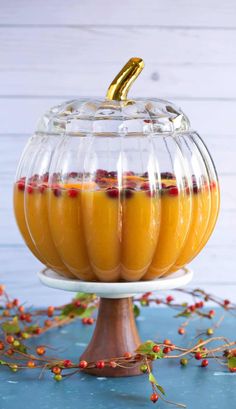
x,y
21,185
226,303
72,193
29,189
173,190
112,192
195,188
56,191
42,188
83,364
112,174
67,363
101,173
145,186
127,193
167,175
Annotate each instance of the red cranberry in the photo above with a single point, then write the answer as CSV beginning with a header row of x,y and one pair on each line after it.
x,y
29,189
112,174
101,173
45,177
195,188
21,186
42,188
173,190
145,186
57,191
112,192
100,364
72,193
127,193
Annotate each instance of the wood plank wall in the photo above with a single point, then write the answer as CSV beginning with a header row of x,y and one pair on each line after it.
x,y
52,50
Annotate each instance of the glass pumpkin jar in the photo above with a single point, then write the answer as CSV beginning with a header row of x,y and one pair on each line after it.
x,y
116,189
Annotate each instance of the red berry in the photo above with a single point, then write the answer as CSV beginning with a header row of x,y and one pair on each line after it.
x,y
127,355
57,191
1,346
21,186
83,364
192,308
67,363
40,350
199,304
166,350
42,188
173,190
101,173
50,311
100,364
156,348
169,299
198,356
73,193
211,313
56,370
154,397
226,303
204,363
232,369
112,192
145,186
127,193
90,321
9,305
29,189
167,342
112,364
37,331
15,302
30,364
181,331
10,352
10,339
77,303
22,317
28,318
85,320
21,308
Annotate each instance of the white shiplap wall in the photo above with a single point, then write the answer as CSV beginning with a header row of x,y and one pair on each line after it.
x,y
55,50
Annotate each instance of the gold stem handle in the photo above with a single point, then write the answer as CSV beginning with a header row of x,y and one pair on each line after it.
x,y
120,86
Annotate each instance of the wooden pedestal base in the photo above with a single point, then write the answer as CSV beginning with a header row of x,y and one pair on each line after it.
x,y
115,333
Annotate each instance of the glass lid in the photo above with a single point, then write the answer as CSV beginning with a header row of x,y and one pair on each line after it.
x,y
115,114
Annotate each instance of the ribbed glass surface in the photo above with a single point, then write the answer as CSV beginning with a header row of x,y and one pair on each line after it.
x,y
113,196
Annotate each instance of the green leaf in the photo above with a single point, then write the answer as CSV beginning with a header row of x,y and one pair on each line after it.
x,y
85,297
136,310
183,314
152,379
2,362
146,348
11,327
71,309
88,312
232,362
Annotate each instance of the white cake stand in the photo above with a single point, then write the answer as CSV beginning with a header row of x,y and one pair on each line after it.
x,y
115,332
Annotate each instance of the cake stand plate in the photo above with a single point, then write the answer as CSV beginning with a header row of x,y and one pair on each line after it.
x,y
115,332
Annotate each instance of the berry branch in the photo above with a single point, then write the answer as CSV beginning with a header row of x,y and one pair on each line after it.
x,y
19,324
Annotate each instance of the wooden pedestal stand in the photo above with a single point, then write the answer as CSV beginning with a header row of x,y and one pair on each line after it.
x,y
115,331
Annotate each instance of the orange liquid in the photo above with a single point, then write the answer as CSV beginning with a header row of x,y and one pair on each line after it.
x,y
93,234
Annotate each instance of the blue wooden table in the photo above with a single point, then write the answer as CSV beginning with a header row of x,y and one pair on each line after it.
x,y
199,388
